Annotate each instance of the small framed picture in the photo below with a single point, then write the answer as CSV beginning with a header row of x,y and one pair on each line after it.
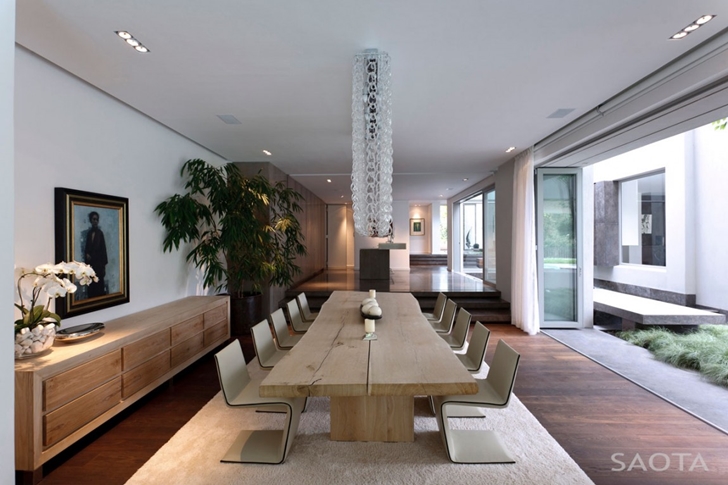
x,y
417,227
93,229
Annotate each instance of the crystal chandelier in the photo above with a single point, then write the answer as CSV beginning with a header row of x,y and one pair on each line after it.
x,y
371,126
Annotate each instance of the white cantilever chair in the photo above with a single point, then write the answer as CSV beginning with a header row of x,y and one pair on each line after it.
x,y
306,314
436,314
284,340
444,325
473,358
459,335
294,316
265,349
480,446
259,446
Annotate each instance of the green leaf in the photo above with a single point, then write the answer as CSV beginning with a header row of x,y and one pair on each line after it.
x,y
242,231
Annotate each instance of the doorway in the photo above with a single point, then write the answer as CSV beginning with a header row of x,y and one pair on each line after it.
x,y
471,223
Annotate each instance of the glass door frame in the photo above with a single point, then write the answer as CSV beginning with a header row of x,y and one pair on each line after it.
x,y
486,247
579,245
459,233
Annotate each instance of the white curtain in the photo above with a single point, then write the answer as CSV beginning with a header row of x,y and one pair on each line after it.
x,y
524,282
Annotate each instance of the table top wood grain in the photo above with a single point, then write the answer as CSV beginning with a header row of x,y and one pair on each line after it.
x,y
407,359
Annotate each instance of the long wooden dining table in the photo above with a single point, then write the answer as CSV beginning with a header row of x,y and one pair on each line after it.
x,y
371,383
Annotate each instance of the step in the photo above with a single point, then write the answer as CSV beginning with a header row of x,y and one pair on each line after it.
x,y
646,311
491,316
428,259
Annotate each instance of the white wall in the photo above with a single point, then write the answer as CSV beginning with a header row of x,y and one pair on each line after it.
x,y
338,232
435,232
7,362
398,258
711,231
422,244
675,156
69,134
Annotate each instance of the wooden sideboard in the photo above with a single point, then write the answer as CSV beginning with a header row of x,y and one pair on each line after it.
x,y
62,396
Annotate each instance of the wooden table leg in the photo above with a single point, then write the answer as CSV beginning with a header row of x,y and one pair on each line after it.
x,y
373,418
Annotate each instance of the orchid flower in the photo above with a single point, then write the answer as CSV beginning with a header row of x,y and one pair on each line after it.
x,y
54,281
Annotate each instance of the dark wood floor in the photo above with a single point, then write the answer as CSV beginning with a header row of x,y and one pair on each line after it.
x,y
592,412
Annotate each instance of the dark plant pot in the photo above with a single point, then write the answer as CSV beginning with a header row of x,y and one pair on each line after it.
x,y
245,312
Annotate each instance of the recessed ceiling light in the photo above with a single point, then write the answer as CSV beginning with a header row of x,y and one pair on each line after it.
x,y
465,179
267,152
229,119
560,113
129,39
510,149
329,181
342,196
692,26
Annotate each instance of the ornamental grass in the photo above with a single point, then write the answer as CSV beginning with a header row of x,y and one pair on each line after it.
x,y
704,350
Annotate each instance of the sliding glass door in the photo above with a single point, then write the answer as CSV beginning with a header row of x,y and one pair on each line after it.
x,y
558,208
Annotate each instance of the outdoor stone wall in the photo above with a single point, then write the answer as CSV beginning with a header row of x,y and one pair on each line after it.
x,y
606,223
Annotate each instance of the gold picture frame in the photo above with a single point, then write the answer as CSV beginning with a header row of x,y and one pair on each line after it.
x,y
94,229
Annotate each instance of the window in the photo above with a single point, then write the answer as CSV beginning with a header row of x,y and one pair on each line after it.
x,y
443,228
643,220
489,243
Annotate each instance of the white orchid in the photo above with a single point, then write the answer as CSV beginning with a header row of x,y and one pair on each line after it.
x,y
70,287
45,269
54,291
48,281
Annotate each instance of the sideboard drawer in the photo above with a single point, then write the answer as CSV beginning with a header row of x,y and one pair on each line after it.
x,y
143,375
188,328
67,419
215,316
185,350
69,385
143,350
216,333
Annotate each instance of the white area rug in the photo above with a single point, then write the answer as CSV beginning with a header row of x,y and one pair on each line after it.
x,y
193,455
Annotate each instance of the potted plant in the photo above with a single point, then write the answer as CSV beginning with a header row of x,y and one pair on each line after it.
x,y
243,231
35,331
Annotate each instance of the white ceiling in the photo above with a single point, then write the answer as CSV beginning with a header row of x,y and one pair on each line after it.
x,y
469,77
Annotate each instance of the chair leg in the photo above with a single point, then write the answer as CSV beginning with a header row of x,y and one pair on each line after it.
x,y
266,446
277,410
456,411
470,446
259,446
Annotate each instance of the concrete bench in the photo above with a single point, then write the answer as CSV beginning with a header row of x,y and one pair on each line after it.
x,y
636,310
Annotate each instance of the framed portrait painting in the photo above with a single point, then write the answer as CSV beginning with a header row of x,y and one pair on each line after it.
x,y
417,227
93,229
